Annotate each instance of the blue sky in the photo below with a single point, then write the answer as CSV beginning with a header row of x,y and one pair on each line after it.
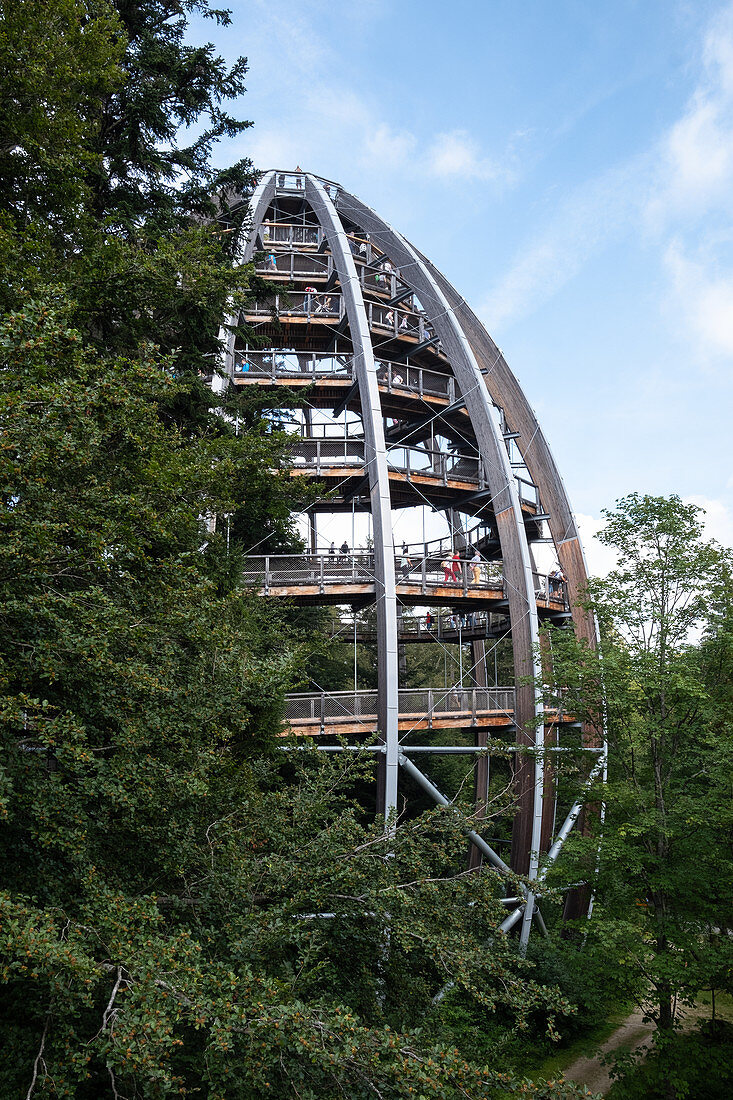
x,y
569,166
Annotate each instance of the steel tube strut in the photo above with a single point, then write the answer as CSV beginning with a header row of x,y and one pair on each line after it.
x,y
437,796
375,455
570,820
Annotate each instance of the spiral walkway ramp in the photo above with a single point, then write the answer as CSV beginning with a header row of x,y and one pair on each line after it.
x,y
409,418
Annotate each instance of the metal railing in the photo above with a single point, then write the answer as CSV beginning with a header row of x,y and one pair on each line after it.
x,y
284,364
433,625
318,455
550,591
528,491
291,234
332,708
390,375
290,266
342,567
284,570
295,303
376,272
447,543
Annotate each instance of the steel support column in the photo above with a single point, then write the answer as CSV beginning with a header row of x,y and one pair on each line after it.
x,y
376,464
261,199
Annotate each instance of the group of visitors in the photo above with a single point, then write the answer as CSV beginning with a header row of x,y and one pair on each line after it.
x,y
344,553
460,620
556,580
452,567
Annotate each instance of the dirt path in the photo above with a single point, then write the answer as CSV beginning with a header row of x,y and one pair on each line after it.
x,y
630,1035
589,1071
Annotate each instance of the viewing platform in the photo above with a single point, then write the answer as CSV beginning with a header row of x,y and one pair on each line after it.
x,y
327,307
336,578
348,713
310,369
410,393
459,626
414,473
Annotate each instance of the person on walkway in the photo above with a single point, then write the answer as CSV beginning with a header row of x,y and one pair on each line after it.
x,y
456,567
344,551
447,567
323,303
405,563
332,550
557,579
428,620
476,567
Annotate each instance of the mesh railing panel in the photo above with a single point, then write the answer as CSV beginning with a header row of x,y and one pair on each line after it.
x,y
327,568
422,702
309,569
393,375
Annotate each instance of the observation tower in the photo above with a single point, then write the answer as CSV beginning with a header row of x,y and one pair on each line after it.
x,y
441,517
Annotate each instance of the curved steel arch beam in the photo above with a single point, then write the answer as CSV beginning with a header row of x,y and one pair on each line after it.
x,y
375,454
534,448
512,535
261,199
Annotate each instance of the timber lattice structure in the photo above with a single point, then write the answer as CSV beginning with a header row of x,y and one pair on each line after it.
x,y
411,405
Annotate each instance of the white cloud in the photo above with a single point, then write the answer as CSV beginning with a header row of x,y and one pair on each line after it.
x,y
679,191
600,559
328,120
704,299
391,148
689,207
456,154
718,518
696,161
587,219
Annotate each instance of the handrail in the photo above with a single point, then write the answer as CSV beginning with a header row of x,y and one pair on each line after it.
x,y
320,454
413,703
345,567
432,625
390,375
293,303
376,271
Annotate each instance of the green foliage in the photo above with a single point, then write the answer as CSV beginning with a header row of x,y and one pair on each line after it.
x,y
58,61
661,681
203,964
687,1066
144,176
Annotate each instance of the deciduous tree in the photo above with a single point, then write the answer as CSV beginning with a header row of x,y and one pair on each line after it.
x,y
660,684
